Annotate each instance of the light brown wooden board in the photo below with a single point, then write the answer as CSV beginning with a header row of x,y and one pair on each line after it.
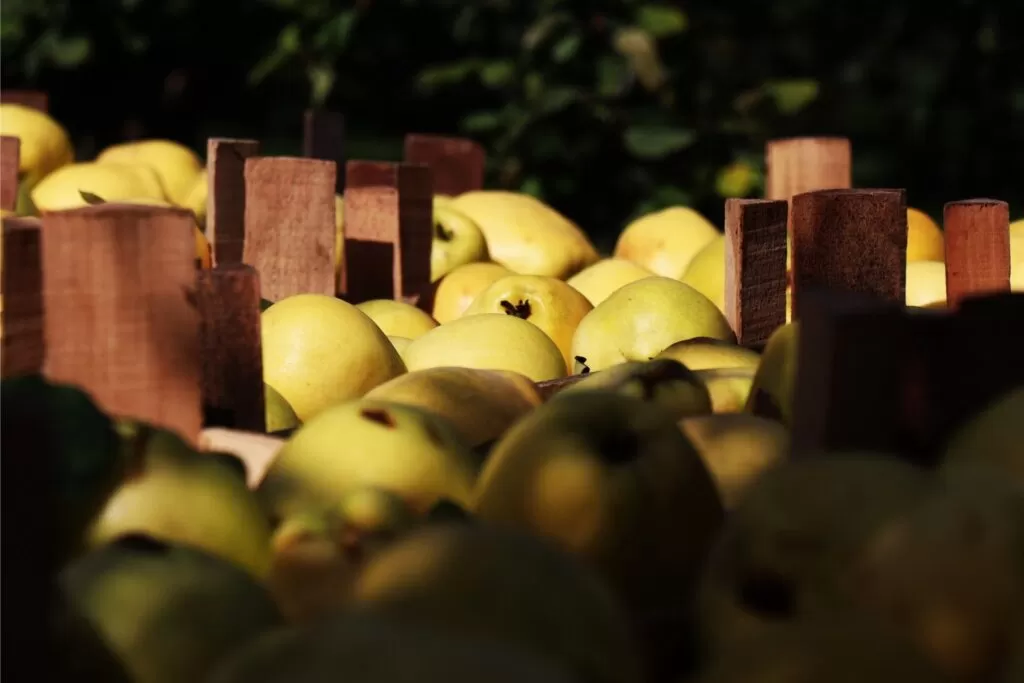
x,y
456,164
850,241
10,159
755,268
977,235
289,225
121,319
798,165
228,298
225,204
388,230
22,292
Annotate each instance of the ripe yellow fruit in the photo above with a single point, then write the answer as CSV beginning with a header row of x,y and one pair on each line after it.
x,y
665,241
455,292
599,281
45,145
397,318
63,188
925,241
176,165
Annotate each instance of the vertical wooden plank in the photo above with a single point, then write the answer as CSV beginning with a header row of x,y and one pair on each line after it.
x,y
289,225
27,98
22,291
456,164
323,137
10,159
388,230
225,212
798,165
755,268
850,241
228,298
121,320
977,233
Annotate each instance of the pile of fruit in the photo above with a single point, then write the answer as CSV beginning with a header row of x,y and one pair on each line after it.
x,y
433,501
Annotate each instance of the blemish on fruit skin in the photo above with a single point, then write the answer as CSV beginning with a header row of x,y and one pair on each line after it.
x,y
582,360
520,310
380,416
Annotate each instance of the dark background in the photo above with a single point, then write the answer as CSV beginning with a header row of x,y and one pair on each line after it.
x,y
605,109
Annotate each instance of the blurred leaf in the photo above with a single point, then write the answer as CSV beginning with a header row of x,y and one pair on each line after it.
x,y
793,95
656,142
738,179
481,122
533,187
68,53
336,32
566,48
638,46
557,99
287,45
434,77
612,76
498,73
91,198
321,81
661,21
542,29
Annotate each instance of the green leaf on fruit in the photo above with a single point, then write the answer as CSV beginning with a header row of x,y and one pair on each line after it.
x,y
657,142
662,21
791,96
91,198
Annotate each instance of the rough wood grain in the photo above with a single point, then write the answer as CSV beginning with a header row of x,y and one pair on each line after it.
x,y
225,212
849,241
121,319
289,225
755,268
228,298
28,98
388,230
977,234
456,164
10,159
798,165
22,291
323,137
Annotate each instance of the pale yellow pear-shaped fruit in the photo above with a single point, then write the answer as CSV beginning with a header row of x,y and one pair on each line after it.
x,y
547,302
364,646
704,354
415,455
397,318
514,588
400,344
994,437
63,188
177,166
280,414
455,292
1017,257
662,382
480,404
195,199
45,145
457,241
488,341
729,388
597,282
706,272
170,612
608,478
925,241
526,235
736,448
772,393
642,319
319,351
665,241
184,496
926,283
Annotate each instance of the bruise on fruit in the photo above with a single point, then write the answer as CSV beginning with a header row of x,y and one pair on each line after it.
x,y
23,340
380,416
519,310
323,137
10,160
457,164
584,368
225,205
116,322
34,99
755,268
289,225
977,239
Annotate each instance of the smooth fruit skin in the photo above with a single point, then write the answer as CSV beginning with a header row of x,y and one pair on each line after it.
x,y
598,281
455,292
397,318
113,182
772,393
707,354
279,413
994,436
665,241
706,272
926,283
526,235
642,319
480,404
547,302
457,241
509,586
925,241
664,383
319,351
45,145
729,388
489,341
415,455
177,166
